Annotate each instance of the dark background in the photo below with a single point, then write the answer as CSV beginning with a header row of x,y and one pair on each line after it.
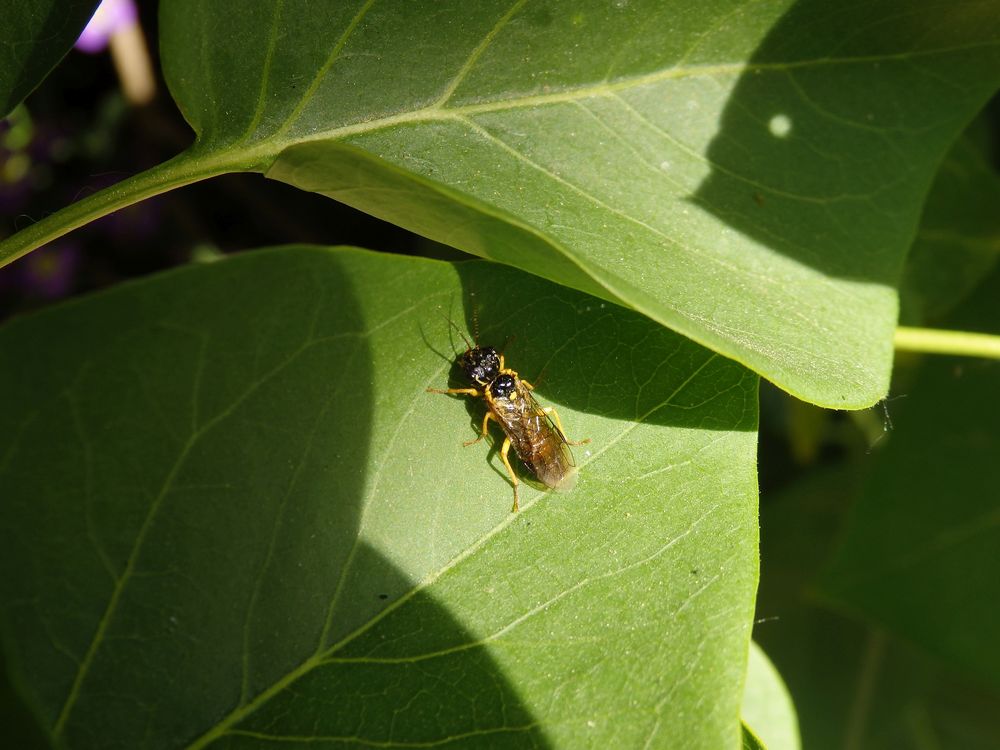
x,y
81,135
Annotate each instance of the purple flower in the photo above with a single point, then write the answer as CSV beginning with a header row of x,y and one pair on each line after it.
x,y
110,16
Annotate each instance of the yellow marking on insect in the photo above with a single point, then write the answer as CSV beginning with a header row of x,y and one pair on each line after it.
x,y
540,442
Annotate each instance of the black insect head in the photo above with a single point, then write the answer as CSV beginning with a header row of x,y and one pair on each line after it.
x,y
481,364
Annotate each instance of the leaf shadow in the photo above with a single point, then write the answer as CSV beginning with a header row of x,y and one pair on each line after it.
x,y
815,156
594,356
216,454
427,682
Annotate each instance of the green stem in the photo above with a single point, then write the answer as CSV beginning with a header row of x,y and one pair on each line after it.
x,y
184,169
947,342
871,665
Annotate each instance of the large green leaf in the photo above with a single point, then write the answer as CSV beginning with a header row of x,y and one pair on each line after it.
x,y
919,554
235,515
750,176
34,36
854,686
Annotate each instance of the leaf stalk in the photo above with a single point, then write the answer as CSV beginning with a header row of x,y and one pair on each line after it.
x,y
934,341
185,168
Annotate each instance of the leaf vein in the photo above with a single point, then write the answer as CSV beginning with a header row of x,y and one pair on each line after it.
x,y
306,739
122,581
473,58
582,583
278,522
265,77
321,73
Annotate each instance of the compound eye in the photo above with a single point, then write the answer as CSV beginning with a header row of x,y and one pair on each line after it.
x,y
472,363
481,364
490,363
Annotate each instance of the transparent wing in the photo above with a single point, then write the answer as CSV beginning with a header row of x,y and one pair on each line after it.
x,y
535,438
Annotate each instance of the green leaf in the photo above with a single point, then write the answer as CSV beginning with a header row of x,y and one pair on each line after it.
x,y
255,522
959,239
631,154
34,36
20,728
854,686
767,706
749,177
919,552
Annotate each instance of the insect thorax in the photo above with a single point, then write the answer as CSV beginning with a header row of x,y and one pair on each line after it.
x,y
503,386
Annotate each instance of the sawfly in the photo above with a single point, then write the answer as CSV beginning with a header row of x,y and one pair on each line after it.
x,y
535,432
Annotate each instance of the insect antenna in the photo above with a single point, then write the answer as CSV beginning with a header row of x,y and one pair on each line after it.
x,y
458,330
540,377
475,316
427,341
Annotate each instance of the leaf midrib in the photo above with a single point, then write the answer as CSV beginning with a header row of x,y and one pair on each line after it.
x,y
439,111
321,657
122,581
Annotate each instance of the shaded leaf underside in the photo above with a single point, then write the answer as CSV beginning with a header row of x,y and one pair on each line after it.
x,y
748,174
34,36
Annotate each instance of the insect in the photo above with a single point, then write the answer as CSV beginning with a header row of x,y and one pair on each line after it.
x,y
535,432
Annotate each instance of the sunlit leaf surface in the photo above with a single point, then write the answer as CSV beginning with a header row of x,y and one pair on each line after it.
x,y
767,706
255,525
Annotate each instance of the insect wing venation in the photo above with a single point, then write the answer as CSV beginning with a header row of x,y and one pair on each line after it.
x,y
535,439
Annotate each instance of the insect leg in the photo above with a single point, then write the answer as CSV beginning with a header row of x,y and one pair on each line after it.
x,y
468,391
513,477
486,421
551,411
